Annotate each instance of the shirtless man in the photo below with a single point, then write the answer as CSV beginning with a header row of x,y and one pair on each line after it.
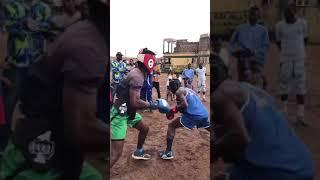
x,y
127,101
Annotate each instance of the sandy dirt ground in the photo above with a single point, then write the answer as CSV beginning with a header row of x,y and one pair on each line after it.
x,y
309,135
191,150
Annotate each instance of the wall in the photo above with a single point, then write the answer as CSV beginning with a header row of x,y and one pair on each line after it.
x,y
226,15
312,15
180,61
186,47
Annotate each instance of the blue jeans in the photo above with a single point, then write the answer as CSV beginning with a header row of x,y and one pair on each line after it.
x,y
146,90
10,98
146,94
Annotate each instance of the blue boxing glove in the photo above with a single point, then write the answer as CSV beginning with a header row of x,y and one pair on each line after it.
x,y
153,105
163,106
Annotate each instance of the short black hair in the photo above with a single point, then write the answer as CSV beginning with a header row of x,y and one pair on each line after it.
x,y
147,51
142,66
174,85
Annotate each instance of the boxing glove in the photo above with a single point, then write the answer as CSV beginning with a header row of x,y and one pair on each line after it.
x,y
170,114
163,106
153,105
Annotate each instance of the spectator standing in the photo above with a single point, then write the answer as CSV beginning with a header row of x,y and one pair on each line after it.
x,y
201,81
188,75
118,70
292,37
251,41
19,57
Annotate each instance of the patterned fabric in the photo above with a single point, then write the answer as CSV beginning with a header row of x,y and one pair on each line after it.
x,y
40,13
118,71
14,16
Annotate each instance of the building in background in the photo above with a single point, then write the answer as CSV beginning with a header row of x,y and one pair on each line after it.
x,y
178,53
226,15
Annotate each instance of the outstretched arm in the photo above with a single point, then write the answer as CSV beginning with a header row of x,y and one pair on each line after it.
x,y
135,100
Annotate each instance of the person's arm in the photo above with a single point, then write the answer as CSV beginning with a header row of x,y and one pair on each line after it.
x,y
265,43
135,100
232,139
45,25
82,128
124,68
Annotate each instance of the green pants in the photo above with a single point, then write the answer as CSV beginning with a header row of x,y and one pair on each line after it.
x,y
119,124
13,158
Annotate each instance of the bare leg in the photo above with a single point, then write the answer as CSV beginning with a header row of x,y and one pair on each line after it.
x,y
172,131
116,151
143,132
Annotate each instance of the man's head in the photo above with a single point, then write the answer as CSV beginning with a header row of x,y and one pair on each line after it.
x,y
200,65
174,85
146,60
189,66
131,62
290,13
69,6
253,15
119,56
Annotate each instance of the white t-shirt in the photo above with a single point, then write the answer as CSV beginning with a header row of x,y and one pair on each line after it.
x,y
201,73
292,38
